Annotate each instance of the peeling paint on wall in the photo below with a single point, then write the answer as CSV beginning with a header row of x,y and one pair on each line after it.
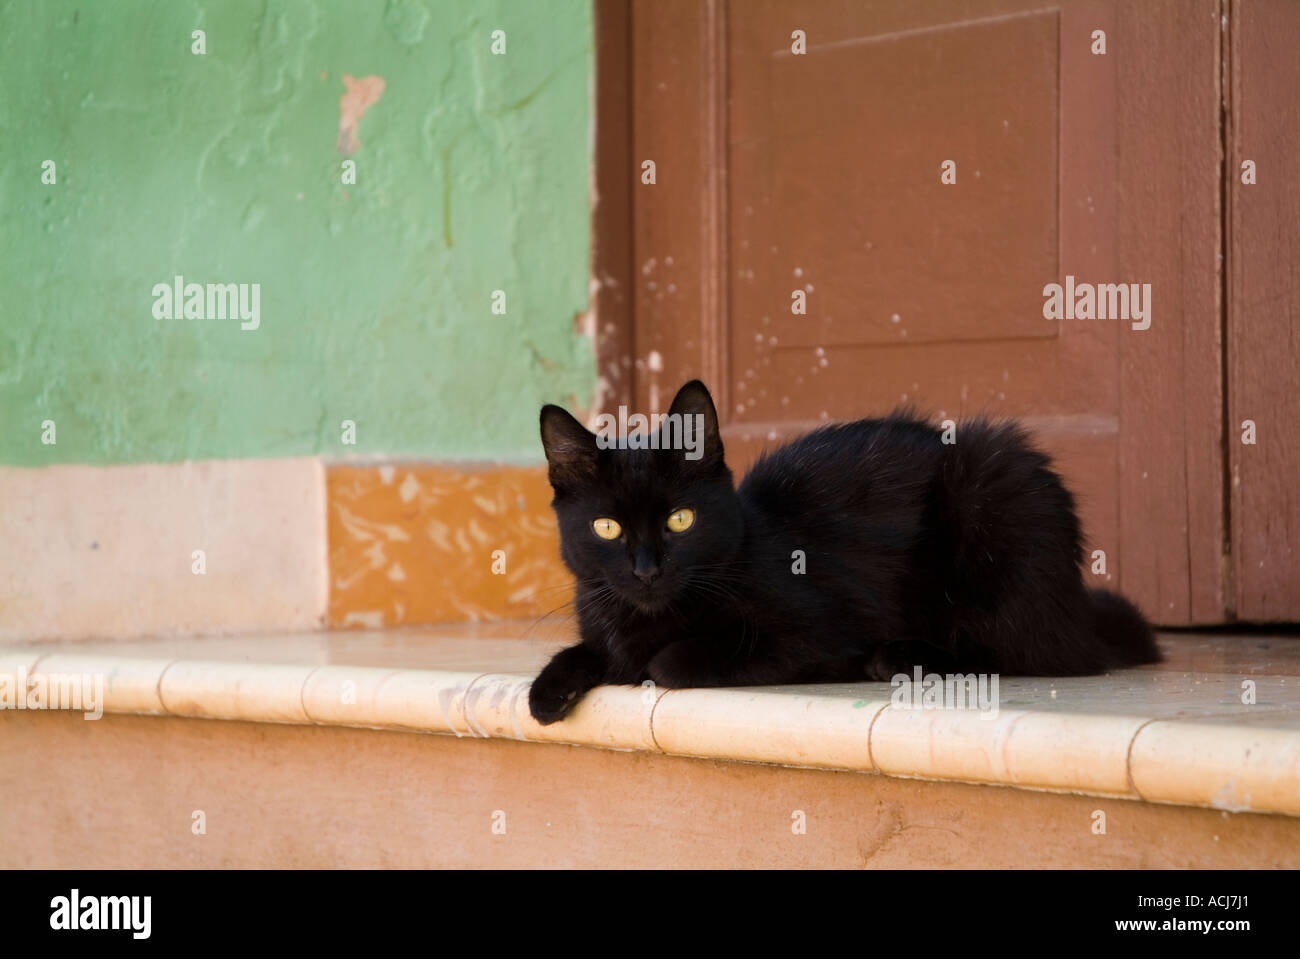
x,y
360,95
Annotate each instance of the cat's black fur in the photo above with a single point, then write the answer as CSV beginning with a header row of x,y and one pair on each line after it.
x,y
960,557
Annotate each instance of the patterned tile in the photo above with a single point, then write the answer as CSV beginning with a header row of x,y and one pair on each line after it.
x,y
416,544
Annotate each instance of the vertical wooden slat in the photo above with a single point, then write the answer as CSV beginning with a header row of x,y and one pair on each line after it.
x,y
611,254
714,301
1088,236
679,247
1263,345
1171,502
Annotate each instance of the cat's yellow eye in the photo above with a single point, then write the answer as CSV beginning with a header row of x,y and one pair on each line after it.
x,y
607,528
681,520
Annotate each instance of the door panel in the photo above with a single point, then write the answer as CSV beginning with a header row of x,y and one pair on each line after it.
x,y
835,170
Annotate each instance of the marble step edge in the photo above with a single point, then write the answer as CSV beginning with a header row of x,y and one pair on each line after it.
x,y
1238,768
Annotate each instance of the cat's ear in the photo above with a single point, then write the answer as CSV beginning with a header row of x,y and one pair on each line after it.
x,y
692,400
570,446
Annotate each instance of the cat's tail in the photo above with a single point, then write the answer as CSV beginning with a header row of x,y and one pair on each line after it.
x,y
1122,628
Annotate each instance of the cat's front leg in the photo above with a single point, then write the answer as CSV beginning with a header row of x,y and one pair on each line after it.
x,y
569,675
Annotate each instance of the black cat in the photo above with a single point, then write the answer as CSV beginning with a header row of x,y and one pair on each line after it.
x,y
853,553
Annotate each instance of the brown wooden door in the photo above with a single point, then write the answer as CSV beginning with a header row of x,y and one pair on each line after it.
x,y
819,173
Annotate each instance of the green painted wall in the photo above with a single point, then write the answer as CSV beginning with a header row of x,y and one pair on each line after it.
x,y
375,299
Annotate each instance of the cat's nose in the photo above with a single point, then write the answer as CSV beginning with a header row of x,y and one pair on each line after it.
x,y
645,567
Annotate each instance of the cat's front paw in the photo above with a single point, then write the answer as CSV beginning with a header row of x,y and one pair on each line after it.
x,y
884,663
681,665
550,705
888,660
564,681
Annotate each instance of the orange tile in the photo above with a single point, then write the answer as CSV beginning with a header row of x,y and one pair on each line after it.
x,y
436,544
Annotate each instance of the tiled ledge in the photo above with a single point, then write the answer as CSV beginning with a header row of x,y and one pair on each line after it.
x,y
1176,733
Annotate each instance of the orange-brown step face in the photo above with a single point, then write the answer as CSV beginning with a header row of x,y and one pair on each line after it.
x,y
437,543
